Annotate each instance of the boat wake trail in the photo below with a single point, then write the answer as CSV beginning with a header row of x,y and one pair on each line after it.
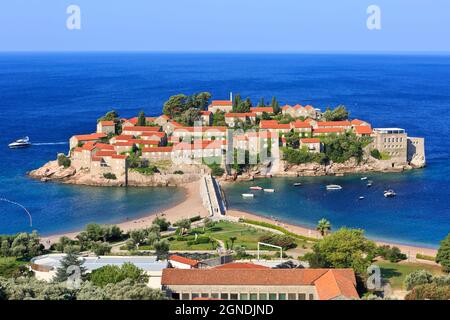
x,y
48,143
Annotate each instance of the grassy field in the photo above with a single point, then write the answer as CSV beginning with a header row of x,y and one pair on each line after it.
x,y
10,266
396,272
246,236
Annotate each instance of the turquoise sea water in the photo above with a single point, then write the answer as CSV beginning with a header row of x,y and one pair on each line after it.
x,y
51,97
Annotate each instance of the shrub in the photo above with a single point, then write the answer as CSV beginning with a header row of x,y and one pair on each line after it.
x,y
162,223
443,255
114,274
280,240
375,153
178,172
195,218
429,291
425,257
109,176
217,170
392,254
63,161
417,278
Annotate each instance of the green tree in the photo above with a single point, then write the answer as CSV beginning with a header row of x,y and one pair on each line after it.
x,y
232,240
141,119
100,248
183,225
5,249
175,105
346,248
26,245
138,237
337,114
161,248
443,255
261,102
219,118
417,278
275,105
323,226
189,117
115,274
110,116
68,265
162,223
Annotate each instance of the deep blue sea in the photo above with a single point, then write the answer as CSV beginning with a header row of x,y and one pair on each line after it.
x,y
51,97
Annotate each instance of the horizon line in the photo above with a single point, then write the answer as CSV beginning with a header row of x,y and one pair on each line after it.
x,y
362,52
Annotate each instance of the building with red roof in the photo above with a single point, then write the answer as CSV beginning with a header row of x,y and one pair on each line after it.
x,y
260,284
106,127
180,262
260,110
312,144
327,131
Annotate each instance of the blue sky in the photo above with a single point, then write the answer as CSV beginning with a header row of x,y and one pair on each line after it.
x,y
225,25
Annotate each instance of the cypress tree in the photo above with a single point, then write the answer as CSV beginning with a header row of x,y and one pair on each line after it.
x,y
141,119
70,260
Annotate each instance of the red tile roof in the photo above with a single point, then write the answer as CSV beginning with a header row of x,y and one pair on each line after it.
x,y
104,146
221,103
262,109
125,137
135,120
328,130
357,122
205,113
273,124
211,129
107,123
300,124
106,153
240,115
141,128
90,137
176,124
329,283
310,140
241,265
152,134
286,107
363,129
298,106
180,259
119,156
334,123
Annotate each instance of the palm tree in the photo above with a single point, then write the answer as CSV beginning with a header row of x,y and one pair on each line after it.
x,y
323,226
232,239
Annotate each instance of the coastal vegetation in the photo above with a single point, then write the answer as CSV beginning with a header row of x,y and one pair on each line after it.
x,y
443,255
186,109
337,114
337,148
278,228
22,246
114,274
63,161
323,226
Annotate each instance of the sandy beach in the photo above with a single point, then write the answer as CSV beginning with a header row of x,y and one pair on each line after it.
x,y
411,251
191,206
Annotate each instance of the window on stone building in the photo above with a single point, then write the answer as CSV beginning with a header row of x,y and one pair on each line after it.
x,y
263,296
292,296
244,296
233,296
272,296
185,296
301,296
253,296
224,296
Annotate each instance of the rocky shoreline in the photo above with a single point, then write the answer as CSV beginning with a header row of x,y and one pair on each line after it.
x,y
351,166
51,171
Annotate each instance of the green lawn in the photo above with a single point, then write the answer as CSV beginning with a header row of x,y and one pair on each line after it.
x,y
395,273
9,266
245,236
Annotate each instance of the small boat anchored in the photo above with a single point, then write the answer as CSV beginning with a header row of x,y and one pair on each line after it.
x,y
389,193
364,178
334,187
20,143
369,183
361,198
248,195
269,190
298,184
256,188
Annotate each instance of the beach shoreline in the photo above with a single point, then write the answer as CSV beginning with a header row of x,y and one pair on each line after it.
x,y
192,206
410,250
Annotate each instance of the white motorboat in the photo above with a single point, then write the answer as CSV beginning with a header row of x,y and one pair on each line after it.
x,y
297,184
248,195
389,193
361,198
20,143
269,190
256,188
334,187
369,184
364,178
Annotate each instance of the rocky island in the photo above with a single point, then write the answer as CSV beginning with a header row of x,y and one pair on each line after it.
x,y
230,139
